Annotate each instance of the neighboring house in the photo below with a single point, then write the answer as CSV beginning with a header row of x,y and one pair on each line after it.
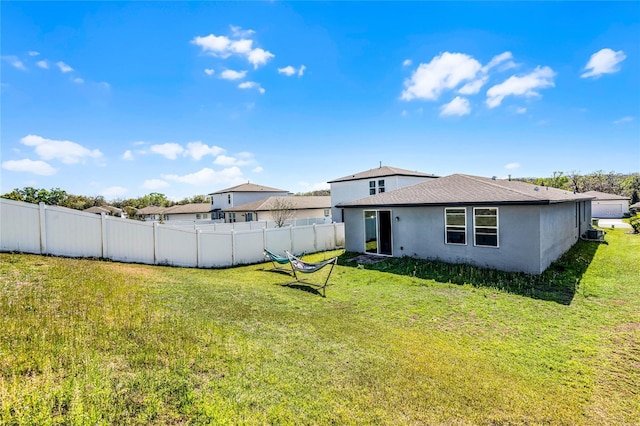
x,y
302,207
150,213
499,224
608,206
197,211
635,207
370,182
108,210
238,195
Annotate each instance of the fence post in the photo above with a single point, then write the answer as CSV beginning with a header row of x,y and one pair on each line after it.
x,y
43,229
198,251
103,224
291,239
233,247
315,238
335,235
264,238
155,243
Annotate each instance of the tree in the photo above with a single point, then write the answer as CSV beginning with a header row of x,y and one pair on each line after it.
x,y
282,210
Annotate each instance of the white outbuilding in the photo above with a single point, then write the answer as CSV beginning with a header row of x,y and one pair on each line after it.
x,y
608,206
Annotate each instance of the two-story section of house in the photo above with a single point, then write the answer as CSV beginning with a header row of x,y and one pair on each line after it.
x,y
371,182
238,195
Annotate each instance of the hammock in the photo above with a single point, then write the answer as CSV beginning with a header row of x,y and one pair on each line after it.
x,y
299,265
277,260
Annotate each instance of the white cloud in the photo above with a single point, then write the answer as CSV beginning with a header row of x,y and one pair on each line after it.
x,y
259,57
473,87
33,53
407,63
458,106
301,70
512,166
404,113
64,67
78,80
233,75
315,187
209,177
154,184
36,167
43,64
444,72
626,119
223,46
604,61
197,150
169,150
209,71
521,110
526,85
288,70
66,151
241,159
258,169
114,192
139,143
500,60
15,62
128,155
251,85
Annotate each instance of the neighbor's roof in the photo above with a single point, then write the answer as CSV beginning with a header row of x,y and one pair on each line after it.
x,y
382,172
295,202
188,208
103,209
248,187
151,210
604,196
466,189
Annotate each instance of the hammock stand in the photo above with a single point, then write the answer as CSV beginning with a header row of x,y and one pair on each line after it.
x,y
276,261
300,266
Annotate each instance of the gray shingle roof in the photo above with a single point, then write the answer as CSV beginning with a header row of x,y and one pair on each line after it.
x,y
297,203
188,208
151,210
466,189
248,187
382,172
604,196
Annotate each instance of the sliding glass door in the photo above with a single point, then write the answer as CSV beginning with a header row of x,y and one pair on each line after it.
x,y
377,232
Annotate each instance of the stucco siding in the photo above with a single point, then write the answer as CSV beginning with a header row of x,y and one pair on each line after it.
x,y
560,229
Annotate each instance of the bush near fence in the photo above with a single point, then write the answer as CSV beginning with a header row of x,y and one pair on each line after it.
x,y
59,231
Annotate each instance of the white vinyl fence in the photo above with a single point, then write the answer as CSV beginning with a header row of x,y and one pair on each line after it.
x,y
41,229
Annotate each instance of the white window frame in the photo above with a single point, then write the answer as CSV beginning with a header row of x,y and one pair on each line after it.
x,y
446,227
380,186
497,227
372,187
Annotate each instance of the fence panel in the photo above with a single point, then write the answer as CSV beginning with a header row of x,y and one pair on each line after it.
x,y
175,246
248,246
19,226
216,249
325,237
129,240
278,240
302,239
73,233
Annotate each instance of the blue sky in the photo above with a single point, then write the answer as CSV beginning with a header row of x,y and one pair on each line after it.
x,y
124,99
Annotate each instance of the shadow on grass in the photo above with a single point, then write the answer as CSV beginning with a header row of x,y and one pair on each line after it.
x,y
304,287
558,283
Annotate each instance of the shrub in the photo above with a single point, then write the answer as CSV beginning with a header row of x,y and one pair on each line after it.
x,y
635,223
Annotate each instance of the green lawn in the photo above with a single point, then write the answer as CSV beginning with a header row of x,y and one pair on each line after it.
x,y
400,342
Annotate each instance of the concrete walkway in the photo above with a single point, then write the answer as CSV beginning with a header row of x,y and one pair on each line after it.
x,y
613,223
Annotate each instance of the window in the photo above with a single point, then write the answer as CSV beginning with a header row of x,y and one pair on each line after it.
x,y
485,226
456,225
232,217
372,187
249,217
205,215
198,216
327,212
229,199
381,185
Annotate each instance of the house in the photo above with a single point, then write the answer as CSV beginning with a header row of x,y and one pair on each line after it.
x,y
608,206
370,182
499,224
108,210
196,211
150,213
241,194
301,207
634,208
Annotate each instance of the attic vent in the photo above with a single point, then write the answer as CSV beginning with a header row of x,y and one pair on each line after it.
x,y
494,177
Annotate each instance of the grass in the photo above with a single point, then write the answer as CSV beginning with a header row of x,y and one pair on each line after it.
x,y
91,342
